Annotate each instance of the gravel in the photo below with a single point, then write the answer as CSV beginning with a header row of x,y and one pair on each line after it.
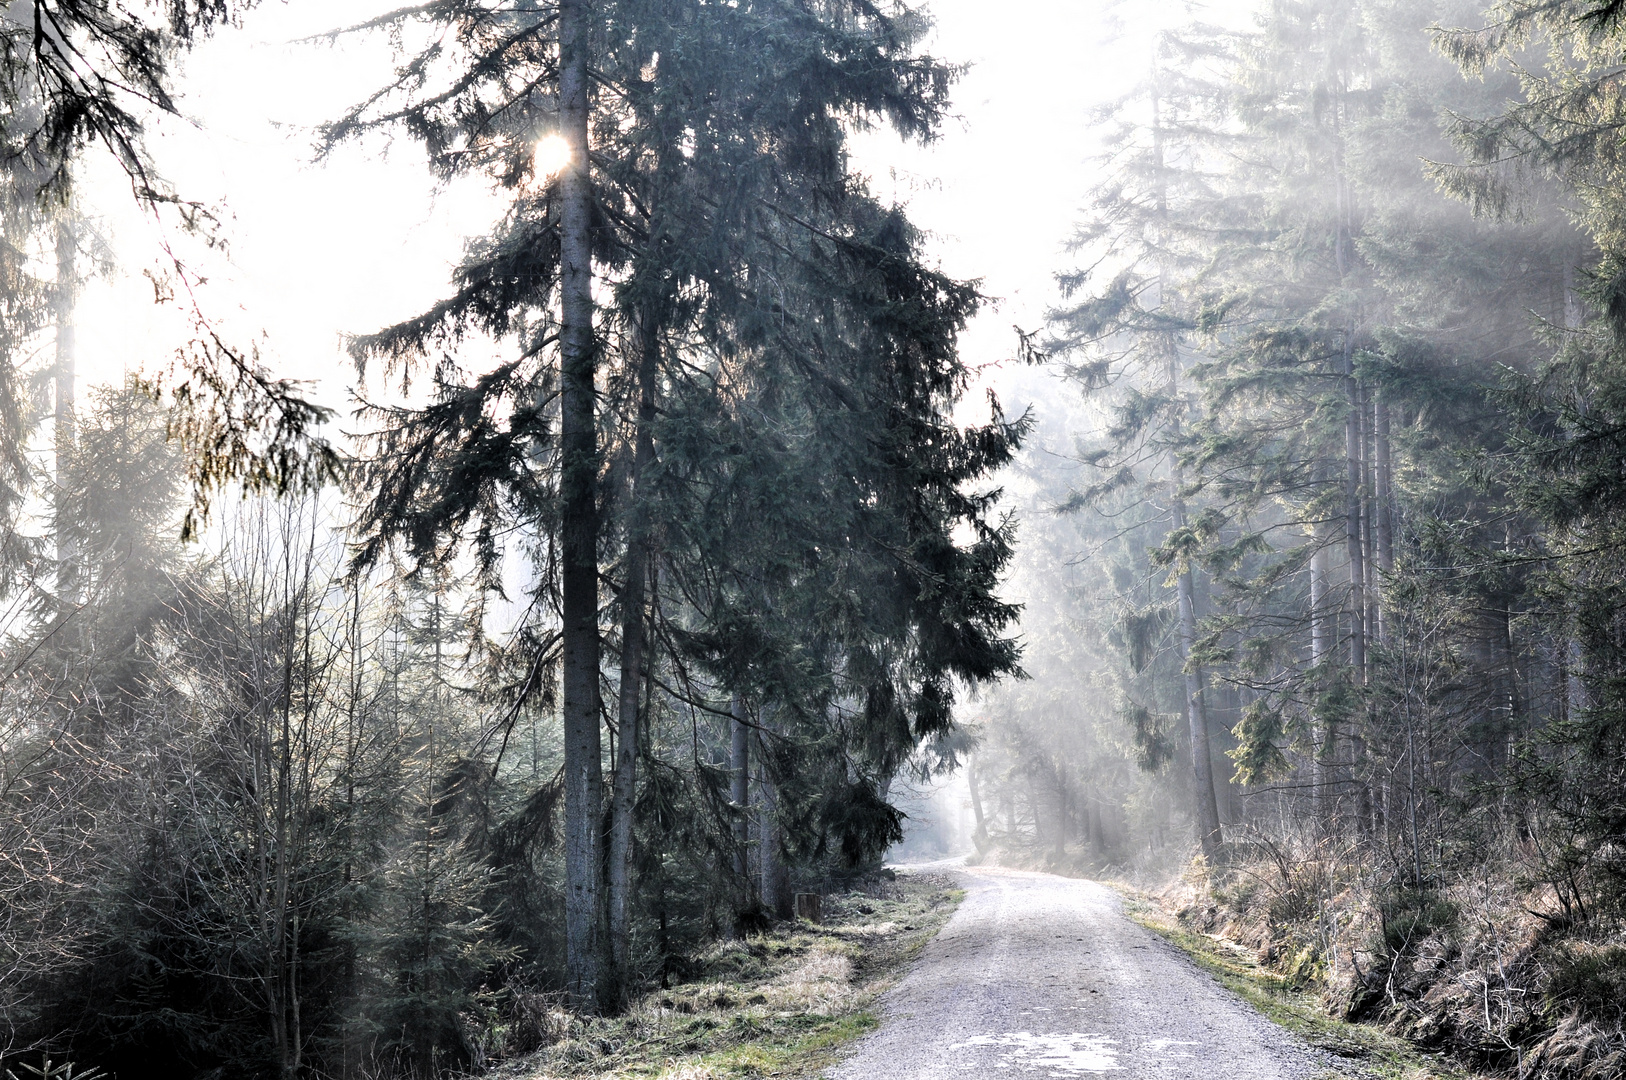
x,y
1037,976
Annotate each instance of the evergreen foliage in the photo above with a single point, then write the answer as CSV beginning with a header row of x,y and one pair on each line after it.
x,y
1345,319
668,555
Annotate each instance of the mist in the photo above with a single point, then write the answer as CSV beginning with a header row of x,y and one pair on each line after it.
x,y
576,538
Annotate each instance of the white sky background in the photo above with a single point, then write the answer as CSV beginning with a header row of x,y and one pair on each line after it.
x,y
362,240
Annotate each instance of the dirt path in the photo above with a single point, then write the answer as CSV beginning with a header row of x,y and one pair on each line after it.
x,y
1039,976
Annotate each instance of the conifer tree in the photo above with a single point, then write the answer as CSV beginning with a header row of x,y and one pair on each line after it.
x,y
1563,460
87,76
1289,218
742,259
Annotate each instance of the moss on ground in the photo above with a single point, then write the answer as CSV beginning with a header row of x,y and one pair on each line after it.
x,y
1364,1050
781,1004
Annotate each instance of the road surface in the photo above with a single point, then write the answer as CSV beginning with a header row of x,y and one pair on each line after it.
x,y
1041,976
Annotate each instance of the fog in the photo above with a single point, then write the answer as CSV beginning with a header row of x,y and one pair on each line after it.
x,y
463,606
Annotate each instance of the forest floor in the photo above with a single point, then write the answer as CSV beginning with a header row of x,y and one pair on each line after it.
x,y
780,1004
1368,1050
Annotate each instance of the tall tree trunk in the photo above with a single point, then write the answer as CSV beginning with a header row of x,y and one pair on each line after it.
x,y
1576,699
775,883
624,782
979,834
1321,640
1369,557
1382,495
739,767
64,435
1202,765
1204,801
1352,518
1033,808
1354,445
584,910
1063,813
1355,484
1202,762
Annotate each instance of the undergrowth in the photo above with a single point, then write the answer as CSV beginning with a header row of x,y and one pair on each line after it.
x,y
779,1004
1288,1000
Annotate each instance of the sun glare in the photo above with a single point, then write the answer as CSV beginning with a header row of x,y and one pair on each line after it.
x,y
552,154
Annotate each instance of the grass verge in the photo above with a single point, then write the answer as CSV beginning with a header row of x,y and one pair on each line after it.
x,y
1363,1050
783,1004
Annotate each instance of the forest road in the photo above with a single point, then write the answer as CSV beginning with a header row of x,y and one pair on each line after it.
x,y
1042,976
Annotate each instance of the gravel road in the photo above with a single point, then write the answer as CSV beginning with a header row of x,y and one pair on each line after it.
x,y
1038,976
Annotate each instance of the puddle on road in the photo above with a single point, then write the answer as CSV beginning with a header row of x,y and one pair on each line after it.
x,y
1060,1054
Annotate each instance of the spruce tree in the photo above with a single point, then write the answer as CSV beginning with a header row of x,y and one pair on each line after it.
x,y
739,254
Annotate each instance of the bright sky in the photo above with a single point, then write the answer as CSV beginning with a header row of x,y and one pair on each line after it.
x,y
354,243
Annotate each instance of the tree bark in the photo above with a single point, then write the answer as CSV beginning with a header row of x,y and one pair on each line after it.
x,y
1063,814
1207,809
1033,808
624,783
1202,763
1359,607
979,835
1352,518
739,766
1382,497
64,434
584,912
1321,637
775,883
1576,698
1369,551
1205,803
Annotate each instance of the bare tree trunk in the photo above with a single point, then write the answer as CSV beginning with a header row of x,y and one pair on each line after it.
x,y
1202,762
739,767
1352,521
1063,813
64,435
1368,524
1576,699
584,912
979,835
1321,640
1038,818
624,782
1382,496
1207,809
1320,632
775,885
1355,446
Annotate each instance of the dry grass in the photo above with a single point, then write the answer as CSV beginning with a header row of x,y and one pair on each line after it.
x,y
781,1004
1366,1050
